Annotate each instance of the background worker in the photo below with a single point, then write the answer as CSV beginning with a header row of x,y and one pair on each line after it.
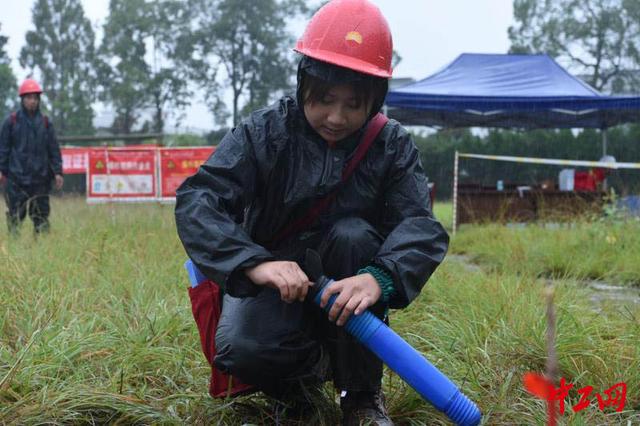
x,y
30,160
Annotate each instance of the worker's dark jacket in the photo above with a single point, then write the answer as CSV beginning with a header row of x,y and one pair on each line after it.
x,y
29,151
271,168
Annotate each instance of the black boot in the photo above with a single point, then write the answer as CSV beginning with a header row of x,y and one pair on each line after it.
x,y
41,226
364,408
308,405
13,223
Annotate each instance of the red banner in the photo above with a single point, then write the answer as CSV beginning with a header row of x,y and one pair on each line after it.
x,y
121,175
74,160
177,164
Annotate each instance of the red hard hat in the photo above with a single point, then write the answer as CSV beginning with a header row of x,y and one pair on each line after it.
x,y
352,34
29,86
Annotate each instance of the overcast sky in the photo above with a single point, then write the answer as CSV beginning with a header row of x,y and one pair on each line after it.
x,y
427,34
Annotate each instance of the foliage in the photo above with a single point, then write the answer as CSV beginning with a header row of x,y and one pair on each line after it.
x,y
185,139
168,83
4,58
123,71
438,151
138,70
61,49
8,91
243,46
594,37
215,136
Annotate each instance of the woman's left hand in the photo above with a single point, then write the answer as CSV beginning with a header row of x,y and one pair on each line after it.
x,y
357,293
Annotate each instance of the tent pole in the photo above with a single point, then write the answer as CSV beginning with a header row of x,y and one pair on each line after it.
x,y
110,185
605,139
454,221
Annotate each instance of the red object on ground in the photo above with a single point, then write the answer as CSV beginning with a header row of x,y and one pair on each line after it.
x,y
540,386
206,307
588,181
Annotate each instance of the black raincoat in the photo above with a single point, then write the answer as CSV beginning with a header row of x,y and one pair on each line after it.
x,y
29,151
269,170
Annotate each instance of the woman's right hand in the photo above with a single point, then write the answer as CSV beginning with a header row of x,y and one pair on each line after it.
x,y
284,276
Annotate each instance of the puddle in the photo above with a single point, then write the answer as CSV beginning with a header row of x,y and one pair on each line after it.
x,y
541,224
603,292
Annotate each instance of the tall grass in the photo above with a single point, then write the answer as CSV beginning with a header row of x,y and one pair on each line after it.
x,y
444,213
583,250
95,327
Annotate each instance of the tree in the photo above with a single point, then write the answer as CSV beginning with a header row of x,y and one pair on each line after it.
x,y
8,92
124,72
596,38
168,85
138,71
632,7
241,45
61,49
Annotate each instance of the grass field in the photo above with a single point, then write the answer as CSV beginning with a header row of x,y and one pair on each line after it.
x,y
95,323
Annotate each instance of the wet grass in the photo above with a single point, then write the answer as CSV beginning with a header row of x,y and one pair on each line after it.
x,y
604,250
95,327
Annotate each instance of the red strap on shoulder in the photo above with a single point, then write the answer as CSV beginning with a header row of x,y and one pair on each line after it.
x,y
14,119
373,129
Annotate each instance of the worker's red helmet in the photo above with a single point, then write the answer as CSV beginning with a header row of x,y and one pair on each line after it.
x,y
29,86
351,34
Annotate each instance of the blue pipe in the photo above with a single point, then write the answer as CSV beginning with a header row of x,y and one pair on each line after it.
x,y
408,363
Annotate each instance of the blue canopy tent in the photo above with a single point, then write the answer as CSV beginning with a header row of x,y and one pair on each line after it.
x,y
496,90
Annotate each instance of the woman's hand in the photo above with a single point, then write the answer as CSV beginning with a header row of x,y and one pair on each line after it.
x,y
357,293
284,276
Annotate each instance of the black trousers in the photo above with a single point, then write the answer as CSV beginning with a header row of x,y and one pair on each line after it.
x,y
280,347
32,199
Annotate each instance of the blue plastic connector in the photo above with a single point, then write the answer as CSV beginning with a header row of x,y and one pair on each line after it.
x,y
195,276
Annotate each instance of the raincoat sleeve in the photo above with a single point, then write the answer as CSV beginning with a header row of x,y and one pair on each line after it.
x,y
55,157
5,147
416,243
209,213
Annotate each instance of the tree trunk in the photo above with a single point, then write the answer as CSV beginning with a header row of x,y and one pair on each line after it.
x,y
158,124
